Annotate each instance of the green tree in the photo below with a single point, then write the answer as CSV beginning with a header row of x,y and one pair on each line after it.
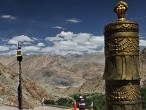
x,y
64,102
143,94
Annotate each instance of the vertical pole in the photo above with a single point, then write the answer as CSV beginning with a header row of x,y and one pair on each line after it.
x,y
19,89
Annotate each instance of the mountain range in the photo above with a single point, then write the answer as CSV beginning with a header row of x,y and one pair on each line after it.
x,y
54,76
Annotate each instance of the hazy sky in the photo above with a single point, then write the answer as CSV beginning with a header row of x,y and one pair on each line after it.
x,y
61,26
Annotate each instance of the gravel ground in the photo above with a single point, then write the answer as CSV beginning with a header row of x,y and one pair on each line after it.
x,y
37,108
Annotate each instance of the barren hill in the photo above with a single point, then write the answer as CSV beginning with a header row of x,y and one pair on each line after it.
x,y
66,74
32,91
59,70
143,67
56,72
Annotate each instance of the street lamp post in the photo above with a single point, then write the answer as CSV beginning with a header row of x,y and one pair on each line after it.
x,y
19,89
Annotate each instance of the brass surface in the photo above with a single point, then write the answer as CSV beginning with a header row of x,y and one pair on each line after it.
x,y
123,95
121,51
122,46
121,26
122,79
121,68
121,38
117,91
120,10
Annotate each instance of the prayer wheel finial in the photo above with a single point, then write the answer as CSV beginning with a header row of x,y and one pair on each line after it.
x,y
120,9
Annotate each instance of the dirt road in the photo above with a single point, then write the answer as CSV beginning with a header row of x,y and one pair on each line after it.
x,y
3,107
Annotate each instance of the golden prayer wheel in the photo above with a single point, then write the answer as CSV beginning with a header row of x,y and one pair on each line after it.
x,y
122,80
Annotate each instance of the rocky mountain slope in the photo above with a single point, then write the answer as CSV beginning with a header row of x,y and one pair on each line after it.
x,y
143,67
59,70
67,74
32,91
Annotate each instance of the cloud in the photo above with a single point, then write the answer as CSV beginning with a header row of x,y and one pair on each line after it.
x,y
40,44
71,43
74,20
21,38
58,27
138,18
4,48
10,52
62,43
33,21
8,17
26,43
30,49
47,50
142,43
65,35
13,47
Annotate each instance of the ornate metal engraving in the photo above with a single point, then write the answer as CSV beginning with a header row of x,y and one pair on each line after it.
x,y
122,63
126,91
123,95
120,26
122,46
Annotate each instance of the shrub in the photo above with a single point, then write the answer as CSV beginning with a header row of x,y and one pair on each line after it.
x,y
64,102
49,102
143,93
